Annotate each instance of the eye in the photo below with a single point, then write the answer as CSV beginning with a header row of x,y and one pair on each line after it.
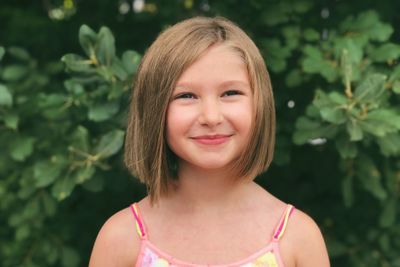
x,y
185,96
232,93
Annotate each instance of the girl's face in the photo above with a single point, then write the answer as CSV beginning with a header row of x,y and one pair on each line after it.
x,y
210,113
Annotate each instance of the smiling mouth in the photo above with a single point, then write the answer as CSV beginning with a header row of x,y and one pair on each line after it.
x,y
211,139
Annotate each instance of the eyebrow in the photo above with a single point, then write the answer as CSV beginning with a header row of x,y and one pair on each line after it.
x,y
225,83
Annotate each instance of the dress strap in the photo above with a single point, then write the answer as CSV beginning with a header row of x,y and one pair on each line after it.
x,y
280,229
140,228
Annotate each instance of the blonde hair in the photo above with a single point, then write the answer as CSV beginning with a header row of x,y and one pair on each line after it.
x,y
147,154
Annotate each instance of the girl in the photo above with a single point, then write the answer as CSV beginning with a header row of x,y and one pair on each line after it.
x,y
201,127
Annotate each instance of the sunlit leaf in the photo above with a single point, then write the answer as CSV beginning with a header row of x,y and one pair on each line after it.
x,y
6,99
385,52
21,148
11,120
354,130
63,187
371,88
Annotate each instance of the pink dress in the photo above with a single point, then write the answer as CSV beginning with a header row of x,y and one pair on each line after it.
x,y
151,256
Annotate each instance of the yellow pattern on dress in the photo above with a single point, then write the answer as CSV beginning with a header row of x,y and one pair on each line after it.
x,y
268,258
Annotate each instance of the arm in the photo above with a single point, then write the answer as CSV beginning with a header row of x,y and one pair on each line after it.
x,y
117,244
310,249
303,244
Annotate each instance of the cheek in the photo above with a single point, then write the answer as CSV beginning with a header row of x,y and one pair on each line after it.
x,y
178,121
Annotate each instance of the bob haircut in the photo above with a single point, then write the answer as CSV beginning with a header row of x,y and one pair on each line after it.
x,y
147,155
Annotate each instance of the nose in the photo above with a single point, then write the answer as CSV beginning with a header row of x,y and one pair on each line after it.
x,y
211,113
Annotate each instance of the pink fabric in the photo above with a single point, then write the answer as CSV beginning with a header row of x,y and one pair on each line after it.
x,y
151,256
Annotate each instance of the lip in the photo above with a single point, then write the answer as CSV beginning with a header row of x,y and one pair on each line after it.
x,y
211,139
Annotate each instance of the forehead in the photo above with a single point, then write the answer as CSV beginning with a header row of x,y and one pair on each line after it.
x,y
217,63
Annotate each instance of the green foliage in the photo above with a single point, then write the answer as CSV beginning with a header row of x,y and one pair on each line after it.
x,y
49,146
62,126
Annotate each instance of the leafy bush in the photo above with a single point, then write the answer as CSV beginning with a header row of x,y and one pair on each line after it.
x,y
337,92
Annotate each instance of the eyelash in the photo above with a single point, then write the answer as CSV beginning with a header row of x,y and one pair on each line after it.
x,y
190,95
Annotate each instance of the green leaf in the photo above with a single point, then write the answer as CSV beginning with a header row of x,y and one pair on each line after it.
x,y
51,100
315,63
307,130
46,172
275,15
131,61
106,46
2,52
6,98
310,35
77,63
22,232
69,257
63,187
388,51
368,23
301,6
110,143
21,148
74,87
118,69
11,120
370,177
370,88
84,174
388,215
333,115
381,122
19,53
396,87
347,191
353,49
88,40
338,98
354,130
389,144
346,148
14,72
102,112
80,139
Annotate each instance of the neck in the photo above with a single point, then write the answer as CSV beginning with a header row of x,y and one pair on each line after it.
x,y
199,189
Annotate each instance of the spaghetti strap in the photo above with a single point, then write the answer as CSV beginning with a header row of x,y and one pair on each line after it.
x,y
281,227
140,228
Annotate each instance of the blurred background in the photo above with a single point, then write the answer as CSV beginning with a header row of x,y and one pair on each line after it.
x,y
66,70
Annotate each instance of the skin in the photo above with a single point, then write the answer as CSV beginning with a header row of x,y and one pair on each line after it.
x,y
211,217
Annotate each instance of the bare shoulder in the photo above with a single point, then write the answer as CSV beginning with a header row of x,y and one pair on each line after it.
x,y
117,243
303,243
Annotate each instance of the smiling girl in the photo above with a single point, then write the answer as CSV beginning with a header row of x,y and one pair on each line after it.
x,y
201,128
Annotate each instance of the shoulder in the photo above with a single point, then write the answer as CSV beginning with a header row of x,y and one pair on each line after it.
x,y
303,243
117,243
